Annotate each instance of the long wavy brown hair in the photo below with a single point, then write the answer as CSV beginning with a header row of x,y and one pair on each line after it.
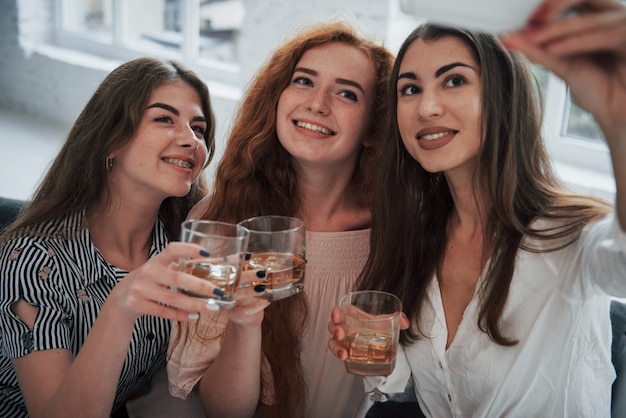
x,y
412,207
78,178
255,177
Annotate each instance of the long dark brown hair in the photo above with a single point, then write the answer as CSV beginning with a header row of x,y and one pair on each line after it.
x,y
78,178
256,177
412,207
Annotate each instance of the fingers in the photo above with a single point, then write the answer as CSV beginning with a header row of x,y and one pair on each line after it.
x,y
151,288
252,278
336,315
556,53
552,10
338,332
337,349
404,322
357,313
583,33
191,284
336,325
538,55
163,301
609,36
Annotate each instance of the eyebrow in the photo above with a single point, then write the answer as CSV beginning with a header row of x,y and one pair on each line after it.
x,y
448,67
338,80
409,75
173,110
442,70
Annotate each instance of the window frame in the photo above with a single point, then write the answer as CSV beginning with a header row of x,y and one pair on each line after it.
x,y
572,150
118,47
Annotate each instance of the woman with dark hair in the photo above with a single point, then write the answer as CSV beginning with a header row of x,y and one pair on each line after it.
x,y
304,141
505,275
86,269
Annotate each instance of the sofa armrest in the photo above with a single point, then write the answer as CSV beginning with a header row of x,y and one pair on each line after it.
x,y
9,210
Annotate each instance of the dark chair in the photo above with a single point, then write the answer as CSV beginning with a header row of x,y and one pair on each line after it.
x,y
618,356
9,209
397,405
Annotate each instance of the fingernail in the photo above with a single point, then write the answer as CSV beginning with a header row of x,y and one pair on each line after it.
x,y
248,256
261,274
218,292
259,288
193,316
204,253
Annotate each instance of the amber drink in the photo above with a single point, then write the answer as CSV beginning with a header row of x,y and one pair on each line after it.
x,y
373,330
277,246
283,269
226,243
222,275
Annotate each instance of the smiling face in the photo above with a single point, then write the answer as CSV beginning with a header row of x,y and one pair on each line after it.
x,y
439,105
168,150
323,114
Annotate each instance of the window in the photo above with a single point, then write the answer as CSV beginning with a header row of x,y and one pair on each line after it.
x,y
573,136
202,33
581,125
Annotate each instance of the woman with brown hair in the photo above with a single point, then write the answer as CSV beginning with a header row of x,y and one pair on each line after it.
x,y
505,275
86,269
304,142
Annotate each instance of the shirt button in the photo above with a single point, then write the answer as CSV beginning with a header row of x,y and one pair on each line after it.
x,y
449,397
440,366
150,336
28,341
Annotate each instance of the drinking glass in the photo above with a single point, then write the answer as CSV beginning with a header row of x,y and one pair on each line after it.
x,y
276,245
226,244
373,330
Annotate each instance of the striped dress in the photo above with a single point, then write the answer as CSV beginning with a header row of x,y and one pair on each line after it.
x,y
60,271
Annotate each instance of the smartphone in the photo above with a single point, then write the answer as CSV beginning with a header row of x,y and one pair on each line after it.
x,y
498,16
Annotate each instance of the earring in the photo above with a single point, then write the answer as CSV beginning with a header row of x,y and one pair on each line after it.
x,y
109,164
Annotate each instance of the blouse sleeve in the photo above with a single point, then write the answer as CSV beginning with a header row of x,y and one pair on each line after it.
x,y
188,358
603,250
29,271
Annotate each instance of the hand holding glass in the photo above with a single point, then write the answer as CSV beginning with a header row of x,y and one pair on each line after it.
x,y
372,320
226,244
277,245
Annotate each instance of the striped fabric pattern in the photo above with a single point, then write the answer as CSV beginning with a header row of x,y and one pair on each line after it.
x,y
58,269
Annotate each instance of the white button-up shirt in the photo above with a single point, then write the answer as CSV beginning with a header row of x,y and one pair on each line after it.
x,y
558,309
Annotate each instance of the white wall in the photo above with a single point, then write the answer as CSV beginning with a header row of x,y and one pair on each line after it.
x,y
268,23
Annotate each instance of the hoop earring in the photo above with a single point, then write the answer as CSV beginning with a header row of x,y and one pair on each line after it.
x,y
109,164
